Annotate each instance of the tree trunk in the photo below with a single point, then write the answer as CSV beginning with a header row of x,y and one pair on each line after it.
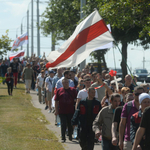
x,y
105,65
124,60
99,65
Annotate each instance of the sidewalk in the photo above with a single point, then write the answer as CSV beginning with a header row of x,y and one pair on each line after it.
x,y
68,145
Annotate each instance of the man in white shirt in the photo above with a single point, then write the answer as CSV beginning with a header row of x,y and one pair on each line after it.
x,y
40,80
83,94
48,86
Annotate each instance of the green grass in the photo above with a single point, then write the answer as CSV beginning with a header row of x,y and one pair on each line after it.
x,y
22,127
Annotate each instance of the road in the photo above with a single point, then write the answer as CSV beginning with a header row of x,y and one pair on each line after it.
x,y
68,145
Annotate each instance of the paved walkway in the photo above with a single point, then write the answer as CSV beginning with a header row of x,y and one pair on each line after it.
x,y
68,145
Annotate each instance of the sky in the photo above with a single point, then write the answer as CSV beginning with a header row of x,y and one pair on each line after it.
x,y
14,12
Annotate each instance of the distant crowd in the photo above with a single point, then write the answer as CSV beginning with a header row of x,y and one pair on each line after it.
x,y
99,106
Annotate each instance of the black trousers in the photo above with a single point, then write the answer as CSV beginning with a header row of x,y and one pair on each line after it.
x,y
10,87
86,139
65,120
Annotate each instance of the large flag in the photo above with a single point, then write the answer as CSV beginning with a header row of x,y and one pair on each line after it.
x,y
23,39
19,54
90,34
109,45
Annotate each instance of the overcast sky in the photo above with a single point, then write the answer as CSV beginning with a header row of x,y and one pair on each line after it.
x,y
13,12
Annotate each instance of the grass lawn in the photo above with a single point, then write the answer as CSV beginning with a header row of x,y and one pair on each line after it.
x,y
22,127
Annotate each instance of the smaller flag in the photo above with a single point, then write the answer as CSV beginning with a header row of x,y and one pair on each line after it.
x,y
19,54
23,39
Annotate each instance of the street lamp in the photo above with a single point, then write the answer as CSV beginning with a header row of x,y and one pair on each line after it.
x,y
143,56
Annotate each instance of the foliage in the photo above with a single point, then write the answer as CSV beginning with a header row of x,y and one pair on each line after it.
x,y
5,42
60,17
129,20
2,79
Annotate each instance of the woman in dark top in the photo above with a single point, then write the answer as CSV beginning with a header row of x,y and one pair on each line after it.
x,y
9,80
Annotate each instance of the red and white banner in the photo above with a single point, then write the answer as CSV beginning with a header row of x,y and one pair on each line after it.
x,y
90,34
109,45
19,54
23,39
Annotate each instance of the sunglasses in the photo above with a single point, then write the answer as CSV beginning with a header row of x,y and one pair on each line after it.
x,y
137,94
113,84
81,84
120,87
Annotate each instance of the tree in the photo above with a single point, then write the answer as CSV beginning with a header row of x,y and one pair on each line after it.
x,y
60,17
5,42
129,22
99,56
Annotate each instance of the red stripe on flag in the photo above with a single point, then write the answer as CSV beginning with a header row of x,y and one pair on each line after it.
x,y
20,40
81,39
18,55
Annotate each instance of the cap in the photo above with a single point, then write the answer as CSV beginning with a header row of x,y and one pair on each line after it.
x,y
51,71
143,96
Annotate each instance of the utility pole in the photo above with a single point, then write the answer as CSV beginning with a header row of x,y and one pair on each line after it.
x,y
143,62
32,28
28,32
53,41
21,34
38,30
83,3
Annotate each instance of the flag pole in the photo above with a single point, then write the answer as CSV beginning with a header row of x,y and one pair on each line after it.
x,y
125,61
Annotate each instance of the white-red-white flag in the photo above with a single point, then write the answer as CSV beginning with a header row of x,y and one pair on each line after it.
x,y
90,34
19,54
108,45
23,39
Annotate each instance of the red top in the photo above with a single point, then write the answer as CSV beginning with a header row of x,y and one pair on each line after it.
x,y
9,76
66,99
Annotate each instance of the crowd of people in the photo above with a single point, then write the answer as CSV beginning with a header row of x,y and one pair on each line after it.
x,y
95,103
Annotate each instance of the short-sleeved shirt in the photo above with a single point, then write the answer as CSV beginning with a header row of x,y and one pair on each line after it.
x,y
28,72
60,85
145,123
14,67
55,79
41,80
124,114
49,81
66,100
117,116
83,94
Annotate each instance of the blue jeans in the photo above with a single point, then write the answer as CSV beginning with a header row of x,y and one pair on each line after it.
x,y
107,145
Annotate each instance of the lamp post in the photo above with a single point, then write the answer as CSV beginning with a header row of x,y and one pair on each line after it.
x,y
82,4
143,56
22,28
17,31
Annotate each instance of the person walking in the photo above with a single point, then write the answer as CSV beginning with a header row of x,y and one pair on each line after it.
x,y
27,74
14,65
48,86
124,127
144,100
3,70
86,113
40,80
64,106
104,121
9,80
143,129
